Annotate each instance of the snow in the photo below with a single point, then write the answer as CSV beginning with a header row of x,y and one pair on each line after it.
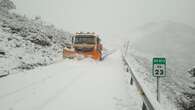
x,y
72,85
174,41
149,87
7,5
28,43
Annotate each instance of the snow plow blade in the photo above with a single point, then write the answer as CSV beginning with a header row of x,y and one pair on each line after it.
x,y
68,53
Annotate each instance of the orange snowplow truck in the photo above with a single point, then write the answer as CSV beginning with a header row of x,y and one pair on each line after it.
x,y
84,45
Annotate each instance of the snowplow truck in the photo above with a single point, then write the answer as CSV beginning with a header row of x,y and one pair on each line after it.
x,y
84,45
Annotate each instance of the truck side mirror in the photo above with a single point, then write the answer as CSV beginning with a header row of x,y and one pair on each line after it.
x,y
72,40
98,40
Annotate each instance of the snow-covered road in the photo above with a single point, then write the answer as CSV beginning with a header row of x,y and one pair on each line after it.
x,y
71,85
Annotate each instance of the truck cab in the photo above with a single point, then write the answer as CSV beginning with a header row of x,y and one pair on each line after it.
x,y
87,45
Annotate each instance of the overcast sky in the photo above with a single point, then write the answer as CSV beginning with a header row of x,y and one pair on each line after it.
x,y
108,16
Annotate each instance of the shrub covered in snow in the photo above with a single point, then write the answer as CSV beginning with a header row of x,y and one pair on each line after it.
x,y
7,5
188,104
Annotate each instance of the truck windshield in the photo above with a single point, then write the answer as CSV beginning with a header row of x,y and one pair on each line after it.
x,y
88,39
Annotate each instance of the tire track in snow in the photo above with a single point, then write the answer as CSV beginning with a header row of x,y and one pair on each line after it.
x,y
25,87
66,84
59,92
53,92
11,99
30,85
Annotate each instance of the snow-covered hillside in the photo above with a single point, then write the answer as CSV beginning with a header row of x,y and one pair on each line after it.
x,y
28,43
176,42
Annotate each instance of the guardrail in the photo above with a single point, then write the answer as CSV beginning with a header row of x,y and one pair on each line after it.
x,y
147,103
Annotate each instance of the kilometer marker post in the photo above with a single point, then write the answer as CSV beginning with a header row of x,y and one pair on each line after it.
x,y
158,70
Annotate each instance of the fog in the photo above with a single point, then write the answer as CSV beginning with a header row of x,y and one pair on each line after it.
x,y
108,17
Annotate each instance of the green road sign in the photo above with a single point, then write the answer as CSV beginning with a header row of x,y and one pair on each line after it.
x,y
159,67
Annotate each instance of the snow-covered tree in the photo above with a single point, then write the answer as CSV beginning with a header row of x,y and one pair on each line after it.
x,y
192,72
7,4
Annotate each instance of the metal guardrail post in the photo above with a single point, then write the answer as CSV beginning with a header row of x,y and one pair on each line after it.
x,y
144,107
146,102
131,81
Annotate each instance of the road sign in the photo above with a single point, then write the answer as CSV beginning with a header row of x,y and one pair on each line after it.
x,y
159,70
159,67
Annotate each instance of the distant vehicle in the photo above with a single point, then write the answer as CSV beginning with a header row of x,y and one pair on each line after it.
x,y
84,45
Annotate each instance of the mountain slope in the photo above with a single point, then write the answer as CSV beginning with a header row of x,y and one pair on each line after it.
x,y
171,39
176,42
28,43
